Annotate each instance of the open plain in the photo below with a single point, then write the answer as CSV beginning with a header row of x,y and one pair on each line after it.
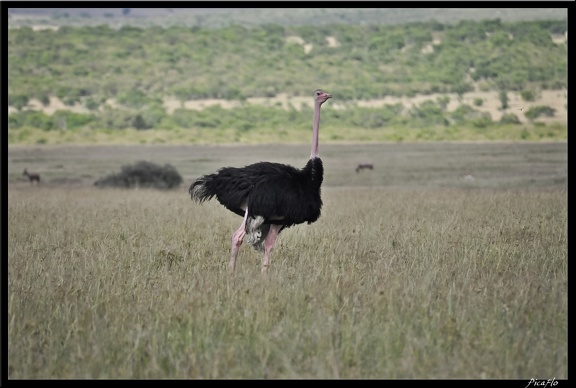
x,y
447,260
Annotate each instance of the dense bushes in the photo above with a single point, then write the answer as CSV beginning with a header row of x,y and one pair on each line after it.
x,y
248,117
139,66
61,119
540,110
17,101
144,175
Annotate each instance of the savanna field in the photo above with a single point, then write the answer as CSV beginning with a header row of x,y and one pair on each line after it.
x,y
446,261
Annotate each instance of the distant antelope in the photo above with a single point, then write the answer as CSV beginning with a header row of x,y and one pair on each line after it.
x,y
32,176
367,166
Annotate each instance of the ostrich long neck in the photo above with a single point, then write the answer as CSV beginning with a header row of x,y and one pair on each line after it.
x,y
315,129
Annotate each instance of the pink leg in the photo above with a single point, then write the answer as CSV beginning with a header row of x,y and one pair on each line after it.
x,y
236,242
269,244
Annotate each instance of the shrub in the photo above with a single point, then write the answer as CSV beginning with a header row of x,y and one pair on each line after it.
x,y
528,95
61,119
509,118
139,123
92,104
145,175
484,120
134,99
44,99
540,110
464,113
152,116
18,101
72,120
115,118
503,99
30,118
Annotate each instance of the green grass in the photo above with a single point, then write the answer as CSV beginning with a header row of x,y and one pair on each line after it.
x,y
411,272
442,283
262,135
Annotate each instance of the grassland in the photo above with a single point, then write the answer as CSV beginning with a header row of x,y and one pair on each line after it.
x,y
411,272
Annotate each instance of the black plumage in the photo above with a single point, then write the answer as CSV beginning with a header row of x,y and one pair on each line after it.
x,y
270,196
280,193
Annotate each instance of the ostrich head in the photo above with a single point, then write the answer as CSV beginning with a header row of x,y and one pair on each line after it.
x,y
320,96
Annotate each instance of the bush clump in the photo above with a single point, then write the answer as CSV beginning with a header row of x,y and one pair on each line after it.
x,y
540,110
145,175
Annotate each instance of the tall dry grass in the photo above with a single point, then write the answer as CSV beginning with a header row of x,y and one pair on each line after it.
x,y
388,283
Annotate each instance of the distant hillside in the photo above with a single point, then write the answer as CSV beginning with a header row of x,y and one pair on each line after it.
x,y
72,76
139,66
220,17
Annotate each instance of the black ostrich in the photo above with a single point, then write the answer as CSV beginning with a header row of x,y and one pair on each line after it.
x,y
270,196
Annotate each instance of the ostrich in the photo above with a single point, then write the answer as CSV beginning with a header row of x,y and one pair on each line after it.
x,y
270,196
32,176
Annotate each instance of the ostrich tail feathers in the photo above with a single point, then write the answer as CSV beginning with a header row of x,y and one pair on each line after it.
x,y
198,190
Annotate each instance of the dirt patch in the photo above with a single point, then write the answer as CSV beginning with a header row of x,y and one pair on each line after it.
x,y
332,42
298,40
44,27
283,100
55,105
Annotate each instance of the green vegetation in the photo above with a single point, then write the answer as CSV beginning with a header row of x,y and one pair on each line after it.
x,y
537,111
122,76
143,174
137,66
216,124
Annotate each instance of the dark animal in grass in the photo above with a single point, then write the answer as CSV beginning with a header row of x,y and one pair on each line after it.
x,y
32,176
365,166
269,196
